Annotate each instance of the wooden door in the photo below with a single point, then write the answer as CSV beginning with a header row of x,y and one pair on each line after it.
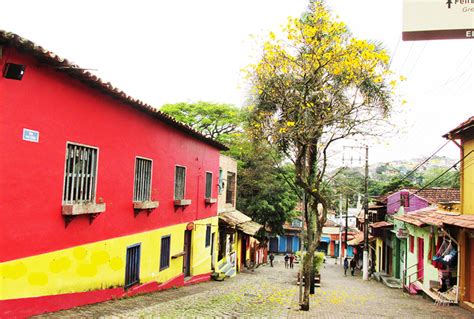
x,y
187,253
213,239
469,296
289,244
421,253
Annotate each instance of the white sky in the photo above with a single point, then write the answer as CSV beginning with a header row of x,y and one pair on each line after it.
x,y
173,51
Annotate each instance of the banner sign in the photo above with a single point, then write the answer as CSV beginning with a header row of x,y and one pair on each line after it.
x,y
438,19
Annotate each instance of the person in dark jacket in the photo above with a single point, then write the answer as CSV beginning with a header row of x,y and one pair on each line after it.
x,y
353,266
271,257
286,260
346,265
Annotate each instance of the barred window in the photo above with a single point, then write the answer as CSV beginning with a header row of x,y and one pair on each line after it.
x,y
142,188
80,174
165,252
179,182
132,265
229,198
208,185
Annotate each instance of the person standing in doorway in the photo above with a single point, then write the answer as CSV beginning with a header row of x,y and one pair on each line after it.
x,y
271,257
346,265
292,259
286,260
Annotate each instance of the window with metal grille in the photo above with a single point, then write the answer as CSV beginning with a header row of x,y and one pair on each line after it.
x,y
80,174
208,235
179,182
229,197
208,185
165,252
132,267
142,186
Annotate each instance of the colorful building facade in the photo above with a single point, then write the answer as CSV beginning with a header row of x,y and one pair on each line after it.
x,y
463,136
237,247
107,197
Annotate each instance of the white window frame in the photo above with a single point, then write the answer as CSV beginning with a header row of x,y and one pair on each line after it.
x,y
94,187
134,176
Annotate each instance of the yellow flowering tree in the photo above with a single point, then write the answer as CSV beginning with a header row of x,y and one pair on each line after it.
x,y
314,85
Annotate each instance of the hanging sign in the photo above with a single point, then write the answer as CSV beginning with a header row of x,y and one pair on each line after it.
x,y
402,233
438,19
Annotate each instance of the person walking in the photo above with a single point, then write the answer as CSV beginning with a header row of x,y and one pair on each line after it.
x,y
286,260
353,266
346,265
271,257
292,259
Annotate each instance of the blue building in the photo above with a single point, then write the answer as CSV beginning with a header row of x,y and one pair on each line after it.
x,y
290,241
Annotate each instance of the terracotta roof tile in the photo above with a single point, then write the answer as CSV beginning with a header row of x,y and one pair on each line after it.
x,y
433,195
381,224
74,71
461,128
436,217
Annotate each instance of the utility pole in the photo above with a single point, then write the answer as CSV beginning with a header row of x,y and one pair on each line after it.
x,y
365,261
340,229
347,215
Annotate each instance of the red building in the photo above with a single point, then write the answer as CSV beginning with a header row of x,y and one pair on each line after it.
x,y
102,196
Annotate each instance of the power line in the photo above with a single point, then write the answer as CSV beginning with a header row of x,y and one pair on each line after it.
x,y
422,163
435,179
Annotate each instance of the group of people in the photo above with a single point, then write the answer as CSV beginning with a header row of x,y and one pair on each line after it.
x,y
351,264
289,260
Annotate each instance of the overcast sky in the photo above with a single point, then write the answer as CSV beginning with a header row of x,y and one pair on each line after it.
x,y
172,51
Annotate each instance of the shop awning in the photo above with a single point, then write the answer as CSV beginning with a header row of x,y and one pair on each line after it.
x,y
325,240
249,228
234,218
240,221
358,239
381,224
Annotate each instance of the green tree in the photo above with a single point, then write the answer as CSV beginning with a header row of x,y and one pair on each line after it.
x,y
450,179
314,87
264,192
217,121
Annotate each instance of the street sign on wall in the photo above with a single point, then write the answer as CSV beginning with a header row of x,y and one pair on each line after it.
x,y
438,19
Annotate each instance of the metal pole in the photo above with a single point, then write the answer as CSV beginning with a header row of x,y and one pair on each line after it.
x,y
301,250
340,229
345,235
365,261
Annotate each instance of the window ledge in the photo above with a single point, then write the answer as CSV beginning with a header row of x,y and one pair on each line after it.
x,y
211,200
182,202
82,208
148,204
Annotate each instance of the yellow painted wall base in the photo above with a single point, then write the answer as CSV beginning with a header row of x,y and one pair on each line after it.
x,y
101,265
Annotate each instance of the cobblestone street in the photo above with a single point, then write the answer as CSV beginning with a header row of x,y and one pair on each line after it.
x,y
272,292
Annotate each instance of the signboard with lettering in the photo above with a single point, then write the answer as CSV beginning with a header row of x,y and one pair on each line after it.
x,y
30,135
402,233
438,19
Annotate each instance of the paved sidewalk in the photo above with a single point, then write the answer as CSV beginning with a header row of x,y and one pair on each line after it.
x,y
272,293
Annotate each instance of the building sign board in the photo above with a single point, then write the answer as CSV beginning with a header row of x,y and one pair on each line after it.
x,y
438,19
402,233
30,135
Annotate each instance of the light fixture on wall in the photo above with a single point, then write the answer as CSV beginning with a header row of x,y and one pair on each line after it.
x,y
14,71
